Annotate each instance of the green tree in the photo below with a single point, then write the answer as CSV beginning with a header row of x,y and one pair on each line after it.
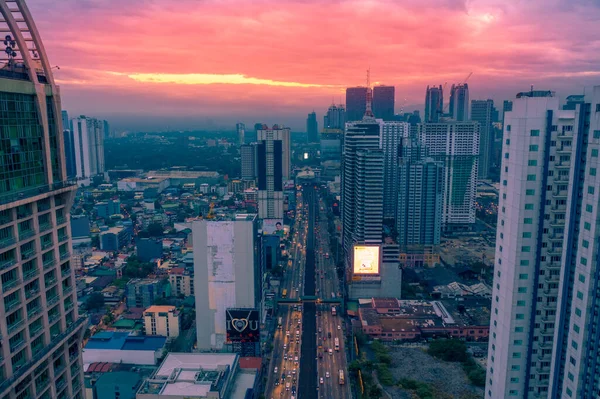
x,y
95,301
450,350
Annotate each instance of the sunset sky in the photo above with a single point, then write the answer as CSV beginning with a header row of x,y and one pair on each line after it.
x,y
182,64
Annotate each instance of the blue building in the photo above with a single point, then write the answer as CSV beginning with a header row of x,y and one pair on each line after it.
x,y
148,249
80,226
108,208
270,251
141,293
115,238
117,384
69,143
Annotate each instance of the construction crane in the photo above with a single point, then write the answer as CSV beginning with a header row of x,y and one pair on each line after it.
x,y
445,108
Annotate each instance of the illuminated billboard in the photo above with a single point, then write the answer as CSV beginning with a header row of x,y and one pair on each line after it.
x,y
366,259
242,325
273,226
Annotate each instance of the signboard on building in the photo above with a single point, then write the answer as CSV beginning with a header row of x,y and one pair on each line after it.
x,y
273,226
242,325
366,259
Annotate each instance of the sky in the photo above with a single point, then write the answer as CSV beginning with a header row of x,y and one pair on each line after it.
x,y
184,64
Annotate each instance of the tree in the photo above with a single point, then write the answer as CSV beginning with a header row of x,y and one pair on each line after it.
x,y
450,350
95,301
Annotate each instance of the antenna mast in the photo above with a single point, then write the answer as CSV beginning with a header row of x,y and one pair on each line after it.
x,y
368,109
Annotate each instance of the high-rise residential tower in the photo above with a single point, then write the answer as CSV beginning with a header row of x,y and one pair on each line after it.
x,y
312,128
356,98
392,134
482,112
40,328
88,140
459,102
248,161
544,324
240,129
273,168
383,102
226,274
456,144
335,118
434,104
69,147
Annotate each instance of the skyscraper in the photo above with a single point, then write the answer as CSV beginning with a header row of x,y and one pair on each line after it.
x,y
356,98
391,135
456,144
506,107
482,112
312,128
335,117
419,201
248,161
383,102
459,102
434,103
240,129
226,274
544,325
88,140
40,327
273,168
69,144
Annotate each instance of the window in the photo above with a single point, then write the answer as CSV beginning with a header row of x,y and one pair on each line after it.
x,y
531,177
515,367
585,243
583,261
513,392
597,132
527,234
532,162
535,133
523,276
569,392
533,148
589,208
591,190
592,171
520,316
573,361
508,128
576,328
528,221
520,303
530,192
526,248
587,226
574,345
529,206
518,329
581,278
595,152
507,141
578,312
504,182
514,380
580,295
522,290
516,355
570,376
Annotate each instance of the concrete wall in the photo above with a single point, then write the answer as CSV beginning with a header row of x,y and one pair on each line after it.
x,y
119,356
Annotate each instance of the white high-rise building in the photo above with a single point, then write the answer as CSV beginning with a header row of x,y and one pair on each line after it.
x,y
456,144
272,169
88,141
225,274
544,327
392,134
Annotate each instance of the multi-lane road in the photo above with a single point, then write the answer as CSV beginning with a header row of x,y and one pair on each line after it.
x,y
308,331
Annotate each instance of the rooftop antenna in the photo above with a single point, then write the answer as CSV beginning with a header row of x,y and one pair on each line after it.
x,y
368,109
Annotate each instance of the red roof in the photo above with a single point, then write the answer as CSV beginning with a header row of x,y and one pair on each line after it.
x,y
99,367
177,270
250,362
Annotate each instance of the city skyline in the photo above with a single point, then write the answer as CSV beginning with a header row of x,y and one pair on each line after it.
x,y
142,71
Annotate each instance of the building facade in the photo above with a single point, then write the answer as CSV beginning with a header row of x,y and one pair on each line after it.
x,y
356,99
162,320
482,112
335,118
331,144
273,168
459,102
248,160
434,104
240,129
312,128
544,326
182,281
392,134
456,144
88,141
141,293
226,274
383,102
40,327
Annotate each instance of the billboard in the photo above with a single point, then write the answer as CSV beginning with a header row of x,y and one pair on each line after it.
x,y
242,325
273,226
366,259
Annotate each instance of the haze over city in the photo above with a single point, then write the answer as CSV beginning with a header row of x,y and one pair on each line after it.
x,y
190,64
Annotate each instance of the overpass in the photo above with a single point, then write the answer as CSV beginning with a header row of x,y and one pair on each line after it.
x,y
310,299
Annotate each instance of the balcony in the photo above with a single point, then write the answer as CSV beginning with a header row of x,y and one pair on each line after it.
x,y
65,272
61,383
6,264
26,255
63,237
33,332
51,301
31,292
549,306
9,307
50,282
7,242
34,312
73,357
67,290
10,285
64,255
41,385
45,227
15,326
68,306
47,244
29,275
48,263
26,234
53,317
16,346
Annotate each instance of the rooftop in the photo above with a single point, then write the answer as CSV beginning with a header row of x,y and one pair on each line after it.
x,y
124,341
163,308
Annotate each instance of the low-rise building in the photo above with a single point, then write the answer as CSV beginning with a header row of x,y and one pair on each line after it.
x,y
120,347
148,249
114,239
200,375
141,293
162,320
117,384
390,319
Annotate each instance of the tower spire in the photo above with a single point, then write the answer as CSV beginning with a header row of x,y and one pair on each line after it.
x,y
368,109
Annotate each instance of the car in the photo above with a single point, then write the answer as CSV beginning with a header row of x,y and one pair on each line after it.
x,y
297,332
276,382
299,321
339,327
330,351
284,346
320,330
296,359
287,386
324,338
285,356
327,374
275,370
329,334
287,333
294,371
321,380
296,289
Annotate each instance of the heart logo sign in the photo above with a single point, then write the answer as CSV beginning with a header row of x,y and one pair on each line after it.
x,y
239,324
